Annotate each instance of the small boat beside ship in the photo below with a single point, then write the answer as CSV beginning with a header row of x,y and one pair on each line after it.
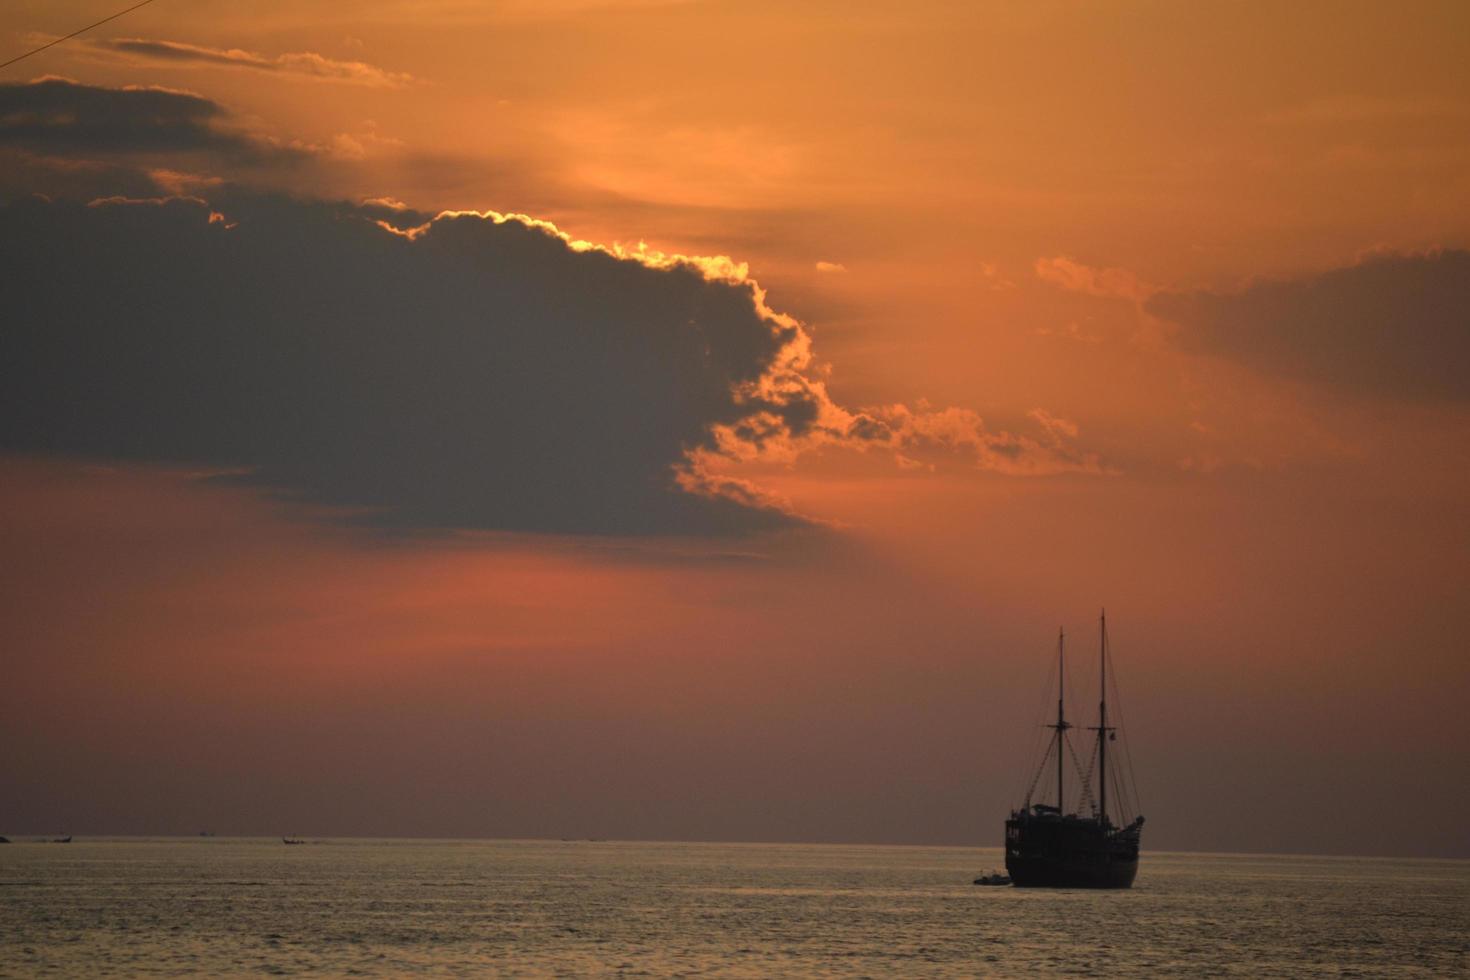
x,y
1050,845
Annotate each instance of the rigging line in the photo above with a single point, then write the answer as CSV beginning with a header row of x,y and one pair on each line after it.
x,y
1121,726
1131,781
1077,765
1037,778
1123,732
1035,758
68,37
1091,768
1073,687
1126,810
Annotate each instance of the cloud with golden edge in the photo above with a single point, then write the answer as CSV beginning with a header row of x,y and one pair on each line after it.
x,y
469,370
792,413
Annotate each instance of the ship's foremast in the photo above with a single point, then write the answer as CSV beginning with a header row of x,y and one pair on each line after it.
x,y
1062,725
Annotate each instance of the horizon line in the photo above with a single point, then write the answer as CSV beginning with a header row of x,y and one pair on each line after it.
x,y
41,838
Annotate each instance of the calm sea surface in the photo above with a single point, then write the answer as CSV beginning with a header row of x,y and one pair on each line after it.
x,y
383,908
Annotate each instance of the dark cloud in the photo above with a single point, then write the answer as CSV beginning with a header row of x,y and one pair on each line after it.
x,y
427,371
61,118
485,374
23,174
1395,325
470,371
56,115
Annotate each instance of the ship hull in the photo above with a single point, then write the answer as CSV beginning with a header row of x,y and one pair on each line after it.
x,y
1052,852
1048,872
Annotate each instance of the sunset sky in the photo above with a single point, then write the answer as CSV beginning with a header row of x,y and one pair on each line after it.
x,y
693,420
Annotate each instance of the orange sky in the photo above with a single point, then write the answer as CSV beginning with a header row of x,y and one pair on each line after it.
x,y
1063,218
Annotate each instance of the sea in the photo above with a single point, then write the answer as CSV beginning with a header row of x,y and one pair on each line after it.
x,y
387,908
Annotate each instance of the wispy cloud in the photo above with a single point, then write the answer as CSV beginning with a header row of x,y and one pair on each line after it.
x,y
306,64
1077,277
1359,111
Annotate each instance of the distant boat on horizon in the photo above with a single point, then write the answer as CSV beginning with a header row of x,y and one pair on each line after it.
x,y
1048,846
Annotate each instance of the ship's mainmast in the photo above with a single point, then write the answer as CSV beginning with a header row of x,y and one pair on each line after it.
x,y
1061,726
1102,720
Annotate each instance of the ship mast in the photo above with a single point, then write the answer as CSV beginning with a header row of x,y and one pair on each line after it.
x,y
1104,730
1102,720
1061,726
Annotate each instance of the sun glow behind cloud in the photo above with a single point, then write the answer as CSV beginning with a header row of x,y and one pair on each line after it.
x,y
980,293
